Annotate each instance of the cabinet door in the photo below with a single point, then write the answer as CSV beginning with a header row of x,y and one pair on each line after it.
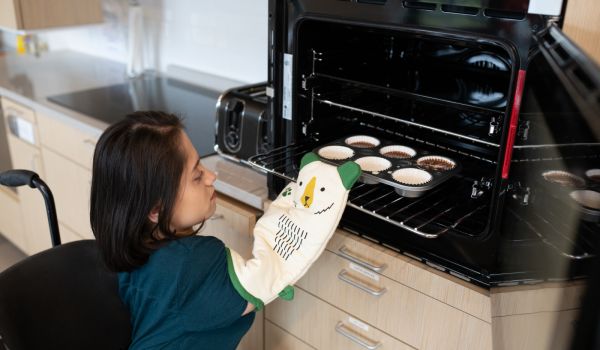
x,y
8,14
33,208
233,223
38,14
23,142
70,183
11,225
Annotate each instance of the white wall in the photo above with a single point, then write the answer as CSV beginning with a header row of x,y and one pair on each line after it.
x,y
221,37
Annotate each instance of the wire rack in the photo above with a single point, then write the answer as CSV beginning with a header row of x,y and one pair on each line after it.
x,y
429,216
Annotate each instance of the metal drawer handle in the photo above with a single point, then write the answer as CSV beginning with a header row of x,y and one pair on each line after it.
x,y
216,217
346,254
344,276
364,342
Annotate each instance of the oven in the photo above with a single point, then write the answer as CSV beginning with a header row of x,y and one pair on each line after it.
x,y
499,91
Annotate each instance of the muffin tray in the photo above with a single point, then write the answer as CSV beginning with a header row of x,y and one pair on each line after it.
x,y
581,190
410,170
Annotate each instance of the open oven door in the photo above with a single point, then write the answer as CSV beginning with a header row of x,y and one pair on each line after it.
x,y
555,184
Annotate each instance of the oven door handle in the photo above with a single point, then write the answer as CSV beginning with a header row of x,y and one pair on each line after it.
x,y
365,343
344,252
344,276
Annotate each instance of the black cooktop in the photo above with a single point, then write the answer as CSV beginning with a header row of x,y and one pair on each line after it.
x,y
196,105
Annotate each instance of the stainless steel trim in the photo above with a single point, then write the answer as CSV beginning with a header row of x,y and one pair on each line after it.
x,y
346,254
362,341
344,276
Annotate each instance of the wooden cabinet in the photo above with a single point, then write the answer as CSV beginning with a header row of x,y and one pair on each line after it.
x,y
23,144
582,25
70,184
39,14
233,223
408,314
379,296
323,326
67,153
534,317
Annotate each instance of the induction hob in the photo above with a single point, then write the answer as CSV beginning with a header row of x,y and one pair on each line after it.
x,y
194,104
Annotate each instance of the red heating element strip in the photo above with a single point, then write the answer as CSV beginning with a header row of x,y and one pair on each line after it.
x,y
512,129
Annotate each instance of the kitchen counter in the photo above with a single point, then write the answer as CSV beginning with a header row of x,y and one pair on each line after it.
x,y
31,80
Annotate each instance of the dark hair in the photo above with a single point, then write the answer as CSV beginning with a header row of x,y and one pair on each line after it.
x,y
138,163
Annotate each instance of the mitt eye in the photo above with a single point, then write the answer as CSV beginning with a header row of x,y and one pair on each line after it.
x,y
322,189
300,183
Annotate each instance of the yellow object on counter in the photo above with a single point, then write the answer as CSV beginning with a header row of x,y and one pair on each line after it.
x,y
21,45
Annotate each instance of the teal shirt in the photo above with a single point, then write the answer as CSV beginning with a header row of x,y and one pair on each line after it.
x,y
182,298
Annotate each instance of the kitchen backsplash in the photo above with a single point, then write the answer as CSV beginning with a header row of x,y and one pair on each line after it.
x,y
222,37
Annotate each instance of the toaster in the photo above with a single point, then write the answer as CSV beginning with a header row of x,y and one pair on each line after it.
x,y
242,125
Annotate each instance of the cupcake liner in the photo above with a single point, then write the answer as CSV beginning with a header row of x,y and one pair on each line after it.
x,y
412,176
593,174
563,178
362,141
336,152
373,164
397,152
587,198
436,163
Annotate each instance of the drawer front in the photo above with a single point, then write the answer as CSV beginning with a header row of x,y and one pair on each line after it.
x,y
70,184
20,122
72,143
409,272
323,326
278,339
401,311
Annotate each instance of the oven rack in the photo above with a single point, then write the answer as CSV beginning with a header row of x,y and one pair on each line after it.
x,y
429,216
404,94
488,124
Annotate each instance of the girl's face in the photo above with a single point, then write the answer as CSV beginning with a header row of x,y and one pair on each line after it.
x,y
196,200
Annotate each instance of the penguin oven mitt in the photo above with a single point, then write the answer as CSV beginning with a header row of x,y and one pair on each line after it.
x,y
293,232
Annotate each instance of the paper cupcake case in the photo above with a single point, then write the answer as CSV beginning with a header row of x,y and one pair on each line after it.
x,y
391,163
580,189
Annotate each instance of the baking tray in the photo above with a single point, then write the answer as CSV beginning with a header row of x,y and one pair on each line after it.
x,y
401,159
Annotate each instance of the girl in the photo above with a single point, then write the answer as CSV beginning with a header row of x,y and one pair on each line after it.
x,y
149,189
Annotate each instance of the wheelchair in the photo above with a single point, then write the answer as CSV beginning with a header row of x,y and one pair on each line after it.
x,y
63,297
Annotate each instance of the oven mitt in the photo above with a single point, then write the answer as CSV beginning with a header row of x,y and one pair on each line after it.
x,y
293,232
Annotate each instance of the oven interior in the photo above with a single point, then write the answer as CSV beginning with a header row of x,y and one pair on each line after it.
x,y
436,93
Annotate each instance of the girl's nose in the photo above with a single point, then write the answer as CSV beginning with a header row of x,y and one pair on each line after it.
x,y
211,177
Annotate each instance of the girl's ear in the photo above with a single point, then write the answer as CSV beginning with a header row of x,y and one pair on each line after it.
x,y
153,215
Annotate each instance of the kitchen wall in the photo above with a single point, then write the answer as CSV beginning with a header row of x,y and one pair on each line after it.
x,y
222,37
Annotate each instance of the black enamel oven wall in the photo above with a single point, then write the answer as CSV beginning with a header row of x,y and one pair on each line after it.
x,y
440,82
